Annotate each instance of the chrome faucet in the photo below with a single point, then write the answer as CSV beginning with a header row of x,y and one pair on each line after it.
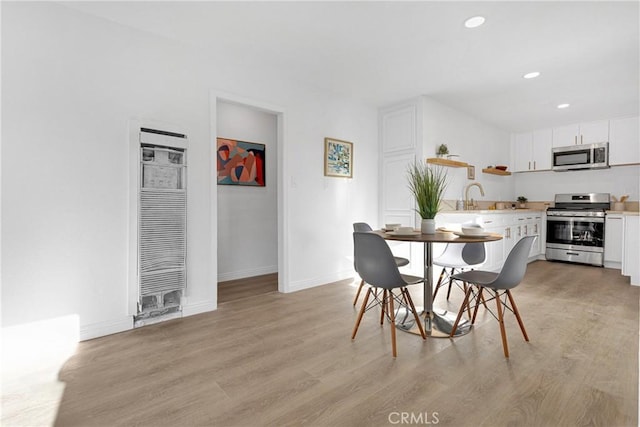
x,y
467,206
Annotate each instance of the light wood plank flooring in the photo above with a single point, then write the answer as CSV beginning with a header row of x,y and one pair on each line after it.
x,y
233,290
287,359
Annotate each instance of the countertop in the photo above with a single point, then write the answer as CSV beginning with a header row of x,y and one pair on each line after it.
x,y
493,211
630,213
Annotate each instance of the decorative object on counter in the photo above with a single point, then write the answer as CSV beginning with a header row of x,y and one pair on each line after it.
x,y
427,185
523,202
442,150
338,158
471,172
618,205
460,205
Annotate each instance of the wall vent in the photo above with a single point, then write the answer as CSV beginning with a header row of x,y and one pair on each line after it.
x,y
162,226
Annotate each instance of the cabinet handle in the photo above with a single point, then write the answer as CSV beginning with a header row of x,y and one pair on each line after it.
x,y
529,164
575,140
534,165
488,222
580,139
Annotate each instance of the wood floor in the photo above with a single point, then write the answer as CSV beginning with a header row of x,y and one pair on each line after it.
x,y
234,290
288,360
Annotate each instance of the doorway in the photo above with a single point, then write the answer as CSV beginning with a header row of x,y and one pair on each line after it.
x,y
249,219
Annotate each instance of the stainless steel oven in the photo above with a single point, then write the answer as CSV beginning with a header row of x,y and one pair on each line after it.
x,y
575,228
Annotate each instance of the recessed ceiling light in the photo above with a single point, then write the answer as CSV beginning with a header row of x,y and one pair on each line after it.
x,y
474,22
532,75
563,105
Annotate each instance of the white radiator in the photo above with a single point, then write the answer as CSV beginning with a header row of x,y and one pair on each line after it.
x,y
162,225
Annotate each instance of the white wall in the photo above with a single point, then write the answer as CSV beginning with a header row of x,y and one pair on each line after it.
x,y
542,186
70,84
476,143
248,216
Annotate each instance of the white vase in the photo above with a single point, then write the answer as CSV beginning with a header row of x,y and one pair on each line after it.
x,y
428,226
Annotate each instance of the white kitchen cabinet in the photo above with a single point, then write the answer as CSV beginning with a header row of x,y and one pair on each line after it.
x,y
521,149
631,248
533,227
581,133
511,225
541,149
613,228
532,150
624,141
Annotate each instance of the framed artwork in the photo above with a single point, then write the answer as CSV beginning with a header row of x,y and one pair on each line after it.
x,y
240,163
471,172
338,158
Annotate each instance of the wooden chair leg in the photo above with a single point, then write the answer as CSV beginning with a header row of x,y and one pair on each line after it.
x,y
362,310
503,332
442,273
517,313
453,270
462,308
483,300
405,292
475,310
383,306
467,287
393,325
355,300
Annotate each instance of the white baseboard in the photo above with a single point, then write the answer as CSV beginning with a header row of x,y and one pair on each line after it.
x,y
295,286
100,329
198,307
251,272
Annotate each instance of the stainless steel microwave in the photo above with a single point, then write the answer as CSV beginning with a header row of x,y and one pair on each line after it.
x,y
584,156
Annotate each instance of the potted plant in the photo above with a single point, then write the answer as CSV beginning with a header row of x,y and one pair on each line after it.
x,y
442,150
427,186
522,200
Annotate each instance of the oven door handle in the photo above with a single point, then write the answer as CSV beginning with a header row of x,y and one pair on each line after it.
x,y
573,253
576,218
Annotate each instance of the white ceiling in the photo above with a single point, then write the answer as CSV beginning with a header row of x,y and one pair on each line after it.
x,y
385,52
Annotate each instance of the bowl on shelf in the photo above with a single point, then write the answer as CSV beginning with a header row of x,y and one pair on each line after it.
x,y
502,168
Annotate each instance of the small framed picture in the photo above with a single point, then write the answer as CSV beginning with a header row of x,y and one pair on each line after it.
x,y
338,158
471,172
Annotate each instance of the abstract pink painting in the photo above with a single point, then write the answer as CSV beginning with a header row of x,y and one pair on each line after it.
x,y
240,163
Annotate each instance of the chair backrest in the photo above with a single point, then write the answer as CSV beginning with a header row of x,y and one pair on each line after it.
x,y
361,226
474,253
515,265
374,261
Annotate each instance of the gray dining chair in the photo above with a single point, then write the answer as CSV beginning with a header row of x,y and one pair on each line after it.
x,y
376,265
400,262
498,286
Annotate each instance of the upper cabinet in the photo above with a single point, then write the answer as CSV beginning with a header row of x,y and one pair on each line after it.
x,y
532,150
624,141
581,133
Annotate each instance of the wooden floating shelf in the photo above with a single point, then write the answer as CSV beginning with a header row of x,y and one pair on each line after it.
x,y
447,162
494,171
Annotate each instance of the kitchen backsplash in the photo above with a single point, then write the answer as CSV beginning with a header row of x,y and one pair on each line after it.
x,y
450,205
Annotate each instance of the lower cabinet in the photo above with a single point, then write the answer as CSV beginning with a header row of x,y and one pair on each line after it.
x,y
512,226
631,248
613,232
